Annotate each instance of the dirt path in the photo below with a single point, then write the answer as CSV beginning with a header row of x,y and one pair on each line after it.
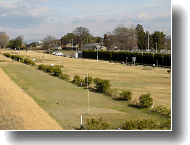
x,y
18,111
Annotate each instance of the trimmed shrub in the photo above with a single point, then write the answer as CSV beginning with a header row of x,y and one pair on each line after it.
x,y
136,64
165,124
145,101
144,65
145,124
64,77
126,95
57,71
110,60
41,66
96,80
169,71
28,61
115,61
89,80
114,93
76,79
93,124
103,86
7,55
163,111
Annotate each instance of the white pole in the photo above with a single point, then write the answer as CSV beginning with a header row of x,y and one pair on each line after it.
x,y
81,122
88,92
97,52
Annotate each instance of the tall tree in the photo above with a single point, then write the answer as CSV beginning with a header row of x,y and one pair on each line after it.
x,y
4,39
21,38
159,37
106,40
48,41
140,36
82,32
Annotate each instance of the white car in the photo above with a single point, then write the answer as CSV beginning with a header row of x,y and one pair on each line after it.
x,y
59,54
54,53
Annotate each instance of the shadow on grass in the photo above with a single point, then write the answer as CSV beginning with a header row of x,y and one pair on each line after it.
x,y
134,106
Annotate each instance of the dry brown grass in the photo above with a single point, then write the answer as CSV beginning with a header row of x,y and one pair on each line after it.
x,y
18,111
156,81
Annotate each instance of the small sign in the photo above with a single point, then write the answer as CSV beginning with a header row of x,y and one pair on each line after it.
x,y
52,64
34,59
134,58
153,64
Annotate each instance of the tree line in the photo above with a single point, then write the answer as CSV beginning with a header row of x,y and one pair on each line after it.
x,y
121,37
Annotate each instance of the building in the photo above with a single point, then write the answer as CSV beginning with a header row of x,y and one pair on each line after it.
x,y
56,48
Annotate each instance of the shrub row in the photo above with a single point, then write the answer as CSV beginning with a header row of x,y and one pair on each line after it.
x,y
7,55
145,124
142,58
51,69
28,61
162,111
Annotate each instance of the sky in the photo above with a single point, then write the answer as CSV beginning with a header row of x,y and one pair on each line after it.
x,y
35,19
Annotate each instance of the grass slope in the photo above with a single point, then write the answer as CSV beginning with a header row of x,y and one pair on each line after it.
x,y
47,91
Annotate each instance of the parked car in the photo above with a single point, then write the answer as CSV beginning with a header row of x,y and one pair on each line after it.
x,y
59,54
54,53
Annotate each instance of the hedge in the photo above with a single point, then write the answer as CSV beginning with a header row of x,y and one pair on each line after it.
x,y
142,58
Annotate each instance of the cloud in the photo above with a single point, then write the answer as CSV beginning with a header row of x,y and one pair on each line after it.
x,y
141,15
82,21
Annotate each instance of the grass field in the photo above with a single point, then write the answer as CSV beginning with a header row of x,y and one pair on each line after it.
x,y
137,79
47,91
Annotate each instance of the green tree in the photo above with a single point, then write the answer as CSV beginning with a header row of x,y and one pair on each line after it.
x,y
17,44
34,44
140,36
158,37
106,40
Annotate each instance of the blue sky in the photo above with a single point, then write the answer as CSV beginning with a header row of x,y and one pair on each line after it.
x,y
35,19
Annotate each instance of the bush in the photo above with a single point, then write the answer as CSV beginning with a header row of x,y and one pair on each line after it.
x,y
76,79
64,77
136,64
145,124
114,93
41,66
144,65
57,71
28,61
103,86
7,55
50,69
169,71
126,95
115,61
89,80
110,60
94,124
145,101
165,124
163,111
96,80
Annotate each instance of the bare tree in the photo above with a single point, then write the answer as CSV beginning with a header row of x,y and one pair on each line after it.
x,y
21,38
121,35
82,32
4,39
48,41
133,36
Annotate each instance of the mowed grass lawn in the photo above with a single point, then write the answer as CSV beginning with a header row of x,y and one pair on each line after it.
x,y
47,91
137,79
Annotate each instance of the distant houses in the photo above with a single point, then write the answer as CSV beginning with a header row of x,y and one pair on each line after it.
x,y
38,45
